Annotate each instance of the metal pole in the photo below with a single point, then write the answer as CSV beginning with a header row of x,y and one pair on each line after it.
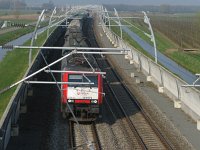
x,y
47,82
72,48
126,17
59,21
106,13
81,130
147,21
133,26
190,85
89,63
33,36
119,22
102,53
114,25
54,12
78,72
73,52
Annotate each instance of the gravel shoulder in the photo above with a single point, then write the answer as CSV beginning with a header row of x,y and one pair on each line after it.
x,y
177,126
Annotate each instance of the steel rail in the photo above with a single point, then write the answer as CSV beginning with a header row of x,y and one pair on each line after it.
x,y
165,141
131,125
149,120
94,144
71,135
155,129
96,138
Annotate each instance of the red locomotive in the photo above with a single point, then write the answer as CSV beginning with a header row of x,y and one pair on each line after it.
x,y
85,95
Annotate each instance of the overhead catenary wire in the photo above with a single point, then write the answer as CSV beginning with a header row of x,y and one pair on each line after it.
x,y
42,69
83,134
134,26
49,65
33,74
89,63
158,57
81,130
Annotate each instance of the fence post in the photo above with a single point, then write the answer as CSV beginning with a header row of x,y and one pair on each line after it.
x,y
161,86
149,77
177,102
139,63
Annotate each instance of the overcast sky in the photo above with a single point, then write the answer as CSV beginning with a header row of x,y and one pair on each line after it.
x,y
132,2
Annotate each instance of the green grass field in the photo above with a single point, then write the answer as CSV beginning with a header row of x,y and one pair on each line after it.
x,y
13,68
5,12
131,41
170,48
9,36
18,21
163,43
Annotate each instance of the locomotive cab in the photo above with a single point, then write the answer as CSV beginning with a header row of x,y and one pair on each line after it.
x,y
84,99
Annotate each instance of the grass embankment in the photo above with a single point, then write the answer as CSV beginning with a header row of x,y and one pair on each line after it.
x,y
163,43
12,35
127,38
190,61
18,21
13,68
6,12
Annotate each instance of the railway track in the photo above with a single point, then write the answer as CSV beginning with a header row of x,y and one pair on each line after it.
x,y
145,132
78,139
125,126
125,107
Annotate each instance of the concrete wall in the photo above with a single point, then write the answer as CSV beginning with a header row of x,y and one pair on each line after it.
x,y
188,99
8,122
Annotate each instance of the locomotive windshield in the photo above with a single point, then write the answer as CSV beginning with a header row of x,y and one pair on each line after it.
x,y
82,78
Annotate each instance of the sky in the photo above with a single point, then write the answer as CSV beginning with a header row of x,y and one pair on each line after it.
x,y
130,2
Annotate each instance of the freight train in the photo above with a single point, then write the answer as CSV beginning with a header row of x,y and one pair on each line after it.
x,y
85,100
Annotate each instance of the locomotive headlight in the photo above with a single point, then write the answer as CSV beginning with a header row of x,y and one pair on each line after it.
x,y
94,101
70,101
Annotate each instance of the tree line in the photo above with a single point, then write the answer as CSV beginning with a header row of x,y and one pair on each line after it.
x,y
9,4
21,4
161,9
